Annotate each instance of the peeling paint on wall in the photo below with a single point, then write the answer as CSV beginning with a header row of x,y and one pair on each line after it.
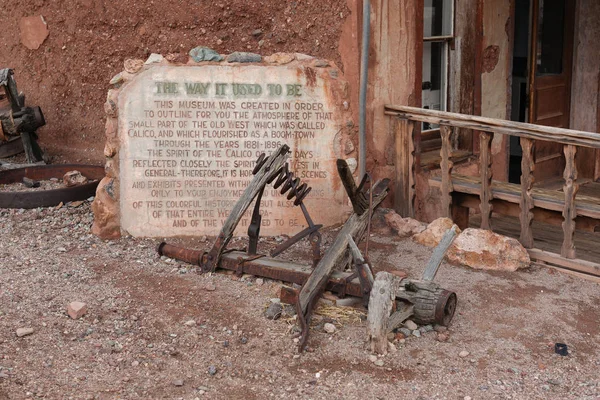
x,y
491,55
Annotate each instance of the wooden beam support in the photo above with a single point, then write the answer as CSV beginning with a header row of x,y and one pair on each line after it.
x,y
569,212
485,157
381,302
526,200
404,193
446,166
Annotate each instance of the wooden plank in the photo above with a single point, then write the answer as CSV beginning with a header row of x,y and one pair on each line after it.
x,y
578,265
490,124
446,165
570,210
404,193
501,130
486,196
549,200
526,199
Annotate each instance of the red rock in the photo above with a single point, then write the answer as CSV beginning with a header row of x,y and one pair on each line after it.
x,y
74,178
483,249
76,309
403,226
434,232
34,31
106,211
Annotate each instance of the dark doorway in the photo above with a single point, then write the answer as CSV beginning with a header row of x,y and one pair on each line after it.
x,y
520,96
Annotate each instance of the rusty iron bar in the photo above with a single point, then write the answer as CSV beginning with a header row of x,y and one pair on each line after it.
x,y
48,198
279,270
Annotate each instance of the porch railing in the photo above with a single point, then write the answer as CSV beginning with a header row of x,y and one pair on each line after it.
x,y
526,196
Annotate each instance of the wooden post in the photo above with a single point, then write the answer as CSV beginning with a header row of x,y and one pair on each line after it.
x,y
570,209
526,201
446,166
381,301
485,196
404,192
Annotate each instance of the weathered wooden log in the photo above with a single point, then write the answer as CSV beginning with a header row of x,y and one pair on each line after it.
x,y
433,304
381,302
336,255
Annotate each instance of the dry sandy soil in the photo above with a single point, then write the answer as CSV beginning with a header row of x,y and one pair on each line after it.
x,y
134,343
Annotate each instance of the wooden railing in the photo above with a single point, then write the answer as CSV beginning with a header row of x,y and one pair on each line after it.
x,y
526,196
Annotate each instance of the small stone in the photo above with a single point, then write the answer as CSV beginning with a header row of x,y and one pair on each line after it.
x,y
321,64
409,324
24,332
259,281
391,336
243,340
226,343
467,398
191,322
280,58
135,363
133,66
416,333
154,58
440,328
442,336
117,79
210,287
426,328
329,327
463,354
212,370
76,309
379,363
74,178
34,31
257,32
201,53
61,250
372,358
243,57
273,311
405,331
177,382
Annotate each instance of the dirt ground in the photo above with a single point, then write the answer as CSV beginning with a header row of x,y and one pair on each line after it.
x,y
89,40
134,341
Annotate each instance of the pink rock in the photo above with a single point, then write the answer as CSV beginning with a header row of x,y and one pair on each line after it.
x,y
76,309
434,232
403,226
483,249
34,31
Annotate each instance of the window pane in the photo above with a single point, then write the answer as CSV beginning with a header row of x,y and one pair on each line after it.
x,y
437,18
551,28
434,77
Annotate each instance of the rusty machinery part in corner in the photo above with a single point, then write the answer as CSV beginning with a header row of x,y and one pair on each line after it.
x,y
428,302
18,122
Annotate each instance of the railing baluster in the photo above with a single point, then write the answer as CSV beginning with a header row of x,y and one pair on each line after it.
x,y
526,202
446,166
570,211
405,168
485,196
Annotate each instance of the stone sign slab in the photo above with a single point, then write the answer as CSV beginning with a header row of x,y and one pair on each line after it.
x,y
182,140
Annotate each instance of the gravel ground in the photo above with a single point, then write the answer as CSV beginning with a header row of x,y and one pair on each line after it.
x,y
138,340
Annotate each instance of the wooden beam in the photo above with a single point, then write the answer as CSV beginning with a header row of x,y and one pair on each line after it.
x,y
570,211
485,156
533,131
446,166
526,200
578,265
404,193
381,302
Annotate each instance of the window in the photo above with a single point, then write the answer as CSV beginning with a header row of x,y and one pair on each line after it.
x,y
438,32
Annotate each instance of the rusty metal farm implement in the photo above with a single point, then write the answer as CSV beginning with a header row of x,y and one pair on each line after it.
x,y
394,299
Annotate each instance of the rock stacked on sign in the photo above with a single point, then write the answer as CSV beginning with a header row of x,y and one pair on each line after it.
x,y
183,133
